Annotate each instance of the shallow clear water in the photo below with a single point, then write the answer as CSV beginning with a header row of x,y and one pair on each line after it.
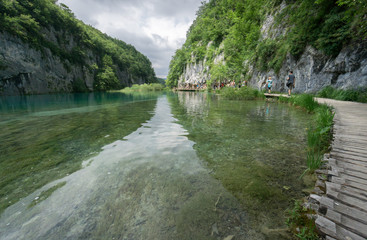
x,y
181,166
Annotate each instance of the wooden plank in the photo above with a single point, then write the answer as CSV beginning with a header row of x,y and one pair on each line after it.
x,y
350,161
349,137
354,179
344,209
347,200
275,95
357,174
343,233
358,193
347,156
337,171
333,230
357,129
348,165
356,133
347,223
350,150
326,226
352,137
349,145
353,153
349,183
356,143
329,238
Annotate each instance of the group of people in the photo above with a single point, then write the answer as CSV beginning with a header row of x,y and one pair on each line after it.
x,y
291,80
231,84
191,86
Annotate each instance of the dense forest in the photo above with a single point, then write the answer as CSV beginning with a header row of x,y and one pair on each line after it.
x,y
234,28
34,20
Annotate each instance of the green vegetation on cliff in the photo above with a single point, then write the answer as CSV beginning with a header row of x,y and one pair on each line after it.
x,y
45,25
233,27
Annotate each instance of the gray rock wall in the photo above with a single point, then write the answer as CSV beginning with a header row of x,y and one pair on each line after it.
x,y
313,70
195,73
25,70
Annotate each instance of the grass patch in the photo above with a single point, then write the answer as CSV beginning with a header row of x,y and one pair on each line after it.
x,y
243,93
314,162
45,194
359,95
306,101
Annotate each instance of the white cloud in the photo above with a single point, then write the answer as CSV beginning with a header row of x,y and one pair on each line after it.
x,y
156,28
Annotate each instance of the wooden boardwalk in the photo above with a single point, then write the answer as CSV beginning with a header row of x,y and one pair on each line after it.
x,y
275,95
343,209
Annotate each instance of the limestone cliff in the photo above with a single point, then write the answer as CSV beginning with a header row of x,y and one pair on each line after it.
x,y
25,70
333,55
313,70
45,49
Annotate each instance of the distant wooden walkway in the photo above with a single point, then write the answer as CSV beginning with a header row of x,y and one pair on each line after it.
x,y
187,89
343,209
275,95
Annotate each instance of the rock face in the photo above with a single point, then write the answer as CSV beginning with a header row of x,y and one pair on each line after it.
x,y
25,70
313,70
195,73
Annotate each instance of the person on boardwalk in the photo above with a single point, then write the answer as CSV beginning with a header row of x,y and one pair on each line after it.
x,y
291,80
269,84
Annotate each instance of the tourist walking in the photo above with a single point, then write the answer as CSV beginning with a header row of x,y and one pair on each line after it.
x,y
291,80
269,84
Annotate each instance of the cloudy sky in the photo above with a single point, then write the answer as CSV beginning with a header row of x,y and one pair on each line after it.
x,y
156,28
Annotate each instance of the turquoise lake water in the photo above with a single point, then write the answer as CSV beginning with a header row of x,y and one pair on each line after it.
x,y
148,166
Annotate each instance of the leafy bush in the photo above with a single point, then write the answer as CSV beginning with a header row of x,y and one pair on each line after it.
x,y
144,88
243,93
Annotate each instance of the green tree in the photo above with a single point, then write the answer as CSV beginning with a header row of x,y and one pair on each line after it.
x,y
106,78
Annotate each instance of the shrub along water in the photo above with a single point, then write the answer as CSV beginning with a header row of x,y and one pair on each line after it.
x,y
243,93
306,101
144,88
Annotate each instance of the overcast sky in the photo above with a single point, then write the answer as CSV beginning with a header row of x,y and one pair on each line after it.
x,y
156,28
